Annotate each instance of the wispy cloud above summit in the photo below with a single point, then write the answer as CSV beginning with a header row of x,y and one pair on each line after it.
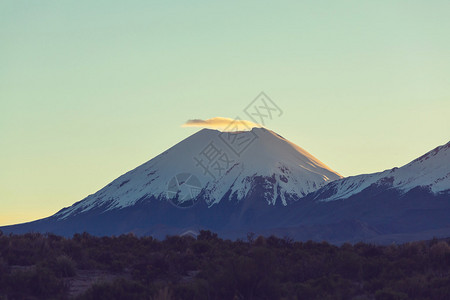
x,y
223,124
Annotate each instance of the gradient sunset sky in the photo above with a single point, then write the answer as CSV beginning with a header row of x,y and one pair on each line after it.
x,y
92,89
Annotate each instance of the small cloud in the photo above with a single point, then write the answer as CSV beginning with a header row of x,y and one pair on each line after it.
x,y
223,124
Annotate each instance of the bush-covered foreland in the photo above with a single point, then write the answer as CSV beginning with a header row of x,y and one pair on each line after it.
x,y
36,266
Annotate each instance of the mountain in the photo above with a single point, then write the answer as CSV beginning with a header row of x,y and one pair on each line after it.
x,y
431,171
212,179
257,181
397,205
270,163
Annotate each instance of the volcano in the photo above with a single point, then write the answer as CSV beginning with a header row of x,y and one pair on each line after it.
x,y
212,179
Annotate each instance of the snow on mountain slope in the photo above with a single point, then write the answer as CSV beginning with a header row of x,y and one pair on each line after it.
x,y
228,165
431,170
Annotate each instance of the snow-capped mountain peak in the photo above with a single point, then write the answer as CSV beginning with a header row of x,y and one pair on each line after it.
x,y
227,165
430,171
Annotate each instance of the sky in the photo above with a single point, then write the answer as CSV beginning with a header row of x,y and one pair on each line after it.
x,y
91,89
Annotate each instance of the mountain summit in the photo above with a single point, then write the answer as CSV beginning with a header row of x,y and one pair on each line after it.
x,y
430,171
226,166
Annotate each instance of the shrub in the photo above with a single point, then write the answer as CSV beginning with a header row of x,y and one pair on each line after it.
x,y
387,294
64,266
117,290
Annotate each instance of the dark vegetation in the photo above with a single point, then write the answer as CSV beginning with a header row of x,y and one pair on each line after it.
x,y
36,266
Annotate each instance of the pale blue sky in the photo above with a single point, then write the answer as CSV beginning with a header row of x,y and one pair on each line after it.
x,y
91,89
